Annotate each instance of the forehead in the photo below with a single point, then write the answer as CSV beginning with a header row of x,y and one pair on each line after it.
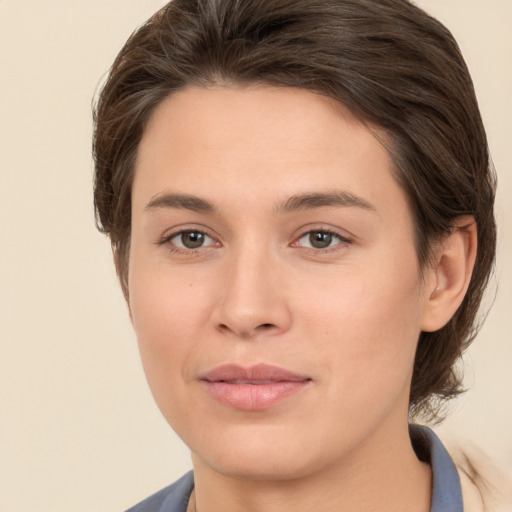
x,y
237,143
280,118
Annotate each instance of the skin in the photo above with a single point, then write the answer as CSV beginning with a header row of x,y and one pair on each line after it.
x,y
347,315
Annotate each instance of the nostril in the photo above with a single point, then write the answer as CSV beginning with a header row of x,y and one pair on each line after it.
x,y
246,333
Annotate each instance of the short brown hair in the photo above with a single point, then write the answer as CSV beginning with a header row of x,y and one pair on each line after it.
x,y
387,60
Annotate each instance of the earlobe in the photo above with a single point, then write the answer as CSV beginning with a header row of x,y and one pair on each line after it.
x,y
450,278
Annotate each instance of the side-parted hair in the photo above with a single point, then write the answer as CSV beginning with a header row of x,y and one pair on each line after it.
x,y
393,65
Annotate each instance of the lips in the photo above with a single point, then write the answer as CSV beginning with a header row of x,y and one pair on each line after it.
x,y
254,388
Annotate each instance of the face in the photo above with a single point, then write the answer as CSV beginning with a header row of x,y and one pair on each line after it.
x,y
273,281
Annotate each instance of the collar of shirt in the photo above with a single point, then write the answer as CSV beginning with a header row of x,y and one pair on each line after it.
x,y
446,487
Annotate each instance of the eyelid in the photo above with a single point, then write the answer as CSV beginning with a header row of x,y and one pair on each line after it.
x,y
181,246
344,238
166,238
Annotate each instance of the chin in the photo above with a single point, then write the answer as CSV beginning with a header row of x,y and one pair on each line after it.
x,y
260,467
261,454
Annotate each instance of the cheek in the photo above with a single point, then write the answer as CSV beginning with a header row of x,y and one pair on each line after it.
x,y
166,300
366,326
168,311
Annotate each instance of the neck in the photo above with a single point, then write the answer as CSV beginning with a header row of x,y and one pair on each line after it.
x,y
384,475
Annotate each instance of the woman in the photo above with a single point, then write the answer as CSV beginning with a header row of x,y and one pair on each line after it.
x,y
300,204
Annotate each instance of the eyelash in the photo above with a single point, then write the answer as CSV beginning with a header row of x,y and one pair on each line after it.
x,y
167,240
341,241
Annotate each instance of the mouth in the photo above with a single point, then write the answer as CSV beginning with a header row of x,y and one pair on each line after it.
x,y
254,388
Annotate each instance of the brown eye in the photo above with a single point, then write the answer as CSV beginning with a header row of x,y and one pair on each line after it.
x,y
319,239
191,239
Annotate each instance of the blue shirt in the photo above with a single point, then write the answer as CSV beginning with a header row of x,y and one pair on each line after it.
x,y
446,490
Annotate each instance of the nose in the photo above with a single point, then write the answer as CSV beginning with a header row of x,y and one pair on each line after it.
x,y
253,300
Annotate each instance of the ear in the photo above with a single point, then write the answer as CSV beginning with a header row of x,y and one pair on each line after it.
x,y
448,281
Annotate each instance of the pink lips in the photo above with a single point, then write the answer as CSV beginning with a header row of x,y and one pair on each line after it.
x,y
254,388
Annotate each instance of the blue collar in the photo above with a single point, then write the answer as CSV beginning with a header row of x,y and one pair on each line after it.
x,y
446,489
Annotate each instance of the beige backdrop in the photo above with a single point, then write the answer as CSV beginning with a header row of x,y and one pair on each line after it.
x,y
78,427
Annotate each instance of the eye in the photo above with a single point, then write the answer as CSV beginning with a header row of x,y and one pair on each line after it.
x,y
320,239
191,239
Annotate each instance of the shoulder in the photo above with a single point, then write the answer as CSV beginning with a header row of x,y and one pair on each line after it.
x,y
465,478
485,487
173,498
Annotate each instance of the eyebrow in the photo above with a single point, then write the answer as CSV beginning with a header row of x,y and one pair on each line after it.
x,y
294,203
321,199
180,201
